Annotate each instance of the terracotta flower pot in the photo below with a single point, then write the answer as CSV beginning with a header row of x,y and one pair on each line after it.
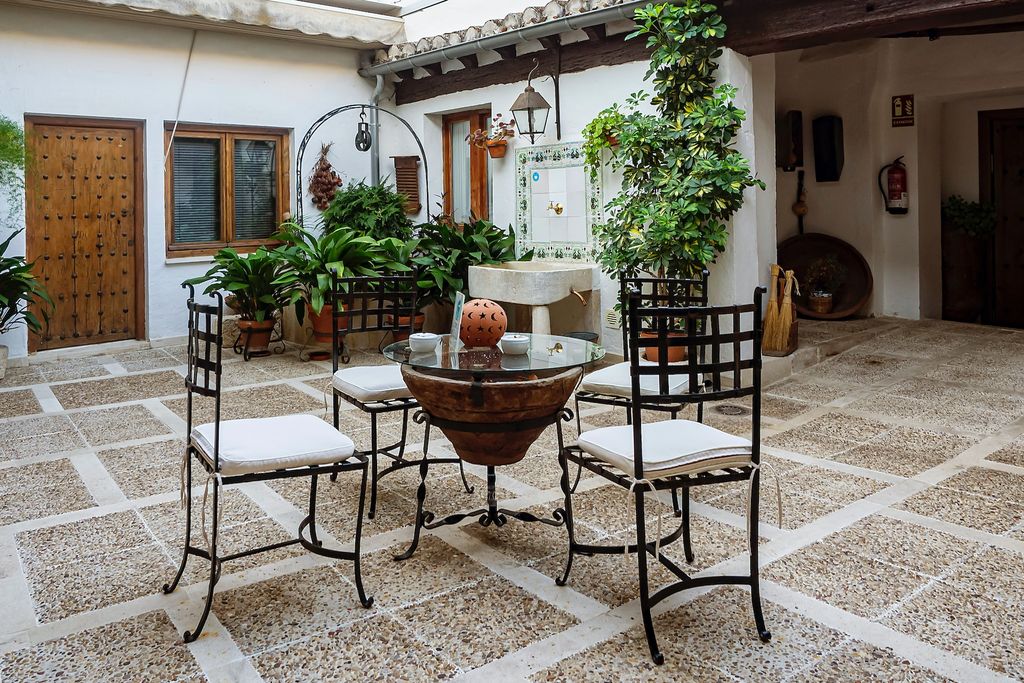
x,y
403,320
676,354
487,403
256,334
820,302
497,148
322,323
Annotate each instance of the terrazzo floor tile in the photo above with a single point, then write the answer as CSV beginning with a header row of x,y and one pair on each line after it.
x,y
21,376
71,368
891,406
987,482
244,373
146,469
461,625
166,521
1011,454
234,539
993,572
82,539
968,624
434,568
816,393
237,404
805,442
856,661
15,403
529,542
33,436
848,427
905,544
966,419
144,647
119,389
375,649
965,509
273,612
879,458
98,582
41,490
857,584
146,359
123,423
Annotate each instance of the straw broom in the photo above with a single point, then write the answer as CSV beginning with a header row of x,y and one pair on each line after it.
x,y
786,314
771,317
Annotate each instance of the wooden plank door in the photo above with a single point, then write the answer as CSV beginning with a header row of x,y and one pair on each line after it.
x,y
83,214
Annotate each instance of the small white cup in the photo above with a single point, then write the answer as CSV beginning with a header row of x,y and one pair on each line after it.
x,y
422,342
515,344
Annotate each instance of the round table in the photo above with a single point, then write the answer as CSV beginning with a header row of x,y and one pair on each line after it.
x,y
491,406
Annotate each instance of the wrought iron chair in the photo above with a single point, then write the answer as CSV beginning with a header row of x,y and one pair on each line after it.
x,y
238,451
611,386
679,454
375,304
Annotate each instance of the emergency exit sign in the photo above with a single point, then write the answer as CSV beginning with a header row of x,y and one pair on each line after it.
x,y
902,111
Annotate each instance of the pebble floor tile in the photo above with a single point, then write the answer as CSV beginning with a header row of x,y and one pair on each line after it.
x,y
899,557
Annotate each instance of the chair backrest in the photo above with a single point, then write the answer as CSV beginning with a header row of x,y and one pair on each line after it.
x,y
371,304
666,291
730,337
204,366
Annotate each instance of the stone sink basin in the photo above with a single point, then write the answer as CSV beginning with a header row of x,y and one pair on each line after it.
x,y
532,283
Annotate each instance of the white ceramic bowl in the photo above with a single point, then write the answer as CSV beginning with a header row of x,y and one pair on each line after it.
x,y
421,342
515,344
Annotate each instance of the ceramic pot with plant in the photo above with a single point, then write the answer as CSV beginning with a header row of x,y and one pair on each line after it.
x,y
682,177
19,290
376,211
823,279
253,279
495,140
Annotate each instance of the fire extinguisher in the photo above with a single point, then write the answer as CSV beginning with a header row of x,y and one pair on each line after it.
x,y
894,191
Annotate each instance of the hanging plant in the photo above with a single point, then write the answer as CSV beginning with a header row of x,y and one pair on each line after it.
x,y
682,179
323,182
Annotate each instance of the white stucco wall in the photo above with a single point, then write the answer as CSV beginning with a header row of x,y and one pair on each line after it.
x,y
70,64
856,81
583,95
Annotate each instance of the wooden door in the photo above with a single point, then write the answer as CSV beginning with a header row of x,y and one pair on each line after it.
x,y
83,214
467,190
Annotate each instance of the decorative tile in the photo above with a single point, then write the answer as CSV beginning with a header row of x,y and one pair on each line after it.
x,y
119,389
29,437
15,403
374,649
464,626
124,423
41,490
146,647
146,469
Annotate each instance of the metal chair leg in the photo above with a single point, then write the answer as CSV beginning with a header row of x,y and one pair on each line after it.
x,y
569,524
579,426
337,424
312,512
421,495
170,587
645,588
191,636
366,602
373,463
405,433
755,581
465,481
685,514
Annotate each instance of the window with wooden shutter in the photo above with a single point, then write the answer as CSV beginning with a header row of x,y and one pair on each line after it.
x,y
226,187
467,189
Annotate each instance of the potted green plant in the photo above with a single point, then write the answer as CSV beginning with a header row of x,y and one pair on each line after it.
x,y
602,133
395,256
682,179
377,211
310,259
967,230
19,289
823,279
495,140
254,280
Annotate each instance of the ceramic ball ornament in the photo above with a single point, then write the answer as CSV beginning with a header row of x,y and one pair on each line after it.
x,y
483,323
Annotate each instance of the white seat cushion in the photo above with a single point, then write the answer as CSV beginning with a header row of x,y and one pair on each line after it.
x,y
273,443
371,383
614,380
670,447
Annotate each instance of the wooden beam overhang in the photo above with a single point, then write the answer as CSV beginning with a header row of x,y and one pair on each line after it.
x,y
760,27
575,57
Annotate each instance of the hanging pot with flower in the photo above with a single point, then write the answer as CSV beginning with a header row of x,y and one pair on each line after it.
x,y
495,140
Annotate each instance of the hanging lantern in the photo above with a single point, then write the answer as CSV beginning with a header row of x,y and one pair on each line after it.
x,y
530,110
364,140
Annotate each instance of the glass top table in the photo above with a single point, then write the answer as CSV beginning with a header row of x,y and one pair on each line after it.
x,y
547,353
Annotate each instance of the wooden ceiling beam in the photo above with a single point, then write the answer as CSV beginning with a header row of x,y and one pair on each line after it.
x,y
758,27
507,52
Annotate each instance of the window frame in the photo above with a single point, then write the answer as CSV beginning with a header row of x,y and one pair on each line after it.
x,y
226,135
479,163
